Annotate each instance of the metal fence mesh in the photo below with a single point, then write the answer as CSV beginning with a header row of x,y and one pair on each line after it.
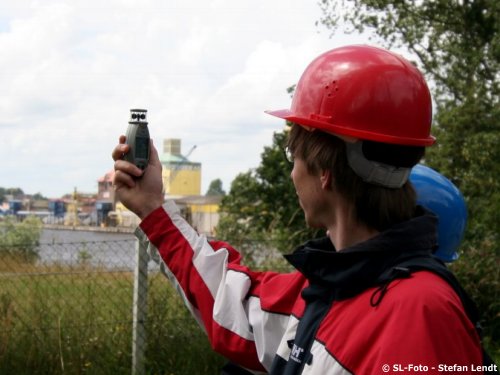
x,y
96,304
71,308
57,310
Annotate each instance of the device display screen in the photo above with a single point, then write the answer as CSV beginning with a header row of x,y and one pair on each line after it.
x,y
141,147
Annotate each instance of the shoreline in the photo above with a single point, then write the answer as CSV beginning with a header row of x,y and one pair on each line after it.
x,y
88,228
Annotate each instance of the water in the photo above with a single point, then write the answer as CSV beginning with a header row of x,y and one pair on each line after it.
x,y
98,249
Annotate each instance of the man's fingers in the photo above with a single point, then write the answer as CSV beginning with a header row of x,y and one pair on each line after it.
x,y
127,168
123,179
119,151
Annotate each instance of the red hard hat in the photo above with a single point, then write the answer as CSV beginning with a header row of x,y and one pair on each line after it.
x,y
366,93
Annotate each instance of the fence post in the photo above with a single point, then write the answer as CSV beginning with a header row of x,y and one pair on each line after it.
x,y
139,310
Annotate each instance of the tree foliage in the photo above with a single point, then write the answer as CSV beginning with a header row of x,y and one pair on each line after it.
x,y
215,188
16,192
20,239
456,43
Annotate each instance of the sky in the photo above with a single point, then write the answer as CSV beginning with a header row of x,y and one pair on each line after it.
x,y
206,70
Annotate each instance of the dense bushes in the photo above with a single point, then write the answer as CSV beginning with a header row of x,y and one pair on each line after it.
x,y
479,274
20,239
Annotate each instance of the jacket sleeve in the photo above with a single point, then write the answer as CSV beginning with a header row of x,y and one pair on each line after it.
x,y
243,313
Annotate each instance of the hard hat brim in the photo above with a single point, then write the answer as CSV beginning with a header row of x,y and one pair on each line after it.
x,y
348,133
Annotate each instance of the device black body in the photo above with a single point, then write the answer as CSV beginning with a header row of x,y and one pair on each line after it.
x,y
138,138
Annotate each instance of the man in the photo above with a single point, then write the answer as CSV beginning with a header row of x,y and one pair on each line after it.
x,y
362,118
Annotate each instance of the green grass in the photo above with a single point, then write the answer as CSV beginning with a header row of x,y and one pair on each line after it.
x,y
57,320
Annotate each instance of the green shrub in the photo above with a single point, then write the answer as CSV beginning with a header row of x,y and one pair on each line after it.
x,y
20,239
478,270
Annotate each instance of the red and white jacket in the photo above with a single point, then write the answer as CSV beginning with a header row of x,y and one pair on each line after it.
x,y
348,325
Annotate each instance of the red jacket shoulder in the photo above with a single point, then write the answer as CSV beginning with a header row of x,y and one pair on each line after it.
x,y
420,320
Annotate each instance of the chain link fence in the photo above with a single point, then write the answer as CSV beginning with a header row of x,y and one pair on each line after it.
x,y
81,302
85,307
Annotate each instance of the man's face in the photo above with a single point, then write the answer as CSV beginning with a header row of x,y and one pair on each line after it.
x,y
310,193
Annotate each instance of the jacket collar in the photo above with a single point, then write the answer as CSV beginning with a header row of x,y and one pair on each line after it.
x,y
356,268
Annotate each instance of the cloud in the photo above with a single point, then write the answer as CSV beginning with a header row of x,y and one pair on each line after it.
x,y
206,71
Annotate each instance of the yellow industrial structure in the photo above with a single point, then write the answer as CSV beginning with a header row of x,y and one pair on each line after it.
x,y
180,176
71,217
202,212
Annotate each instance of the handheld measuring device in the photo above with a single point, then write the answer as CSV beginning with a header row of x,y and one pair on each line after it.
x,y
138,138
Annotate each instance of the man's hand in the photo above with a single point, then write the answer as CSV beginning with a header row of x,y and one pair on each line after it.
x,y
140,191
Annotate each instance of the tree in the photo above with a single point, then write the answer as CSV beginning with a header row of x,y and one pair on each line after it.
x,y
457,45
19,240
16,192
215,188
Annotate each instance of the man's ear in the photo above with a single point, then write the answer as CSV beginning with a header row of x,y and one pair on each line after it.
x,y
326,179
